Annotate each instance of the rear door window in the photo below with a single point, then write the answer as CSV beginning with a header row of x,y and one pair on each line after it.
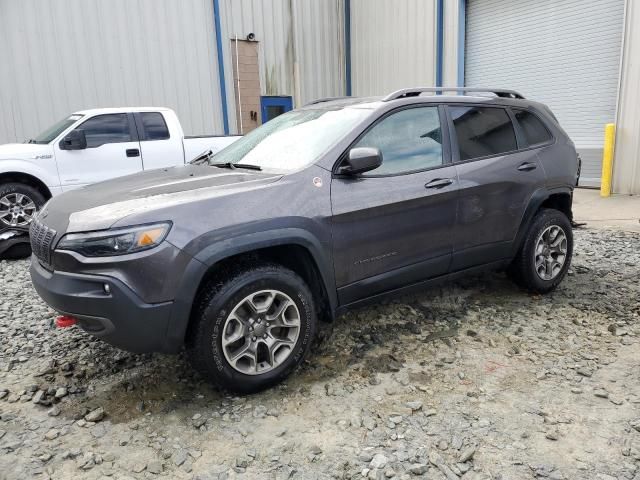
x,y
535,132
482,131
108,128
155,128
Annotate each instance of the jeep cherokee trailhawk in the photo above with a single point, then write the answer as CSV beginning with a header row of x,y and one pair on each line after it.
x,y
339,203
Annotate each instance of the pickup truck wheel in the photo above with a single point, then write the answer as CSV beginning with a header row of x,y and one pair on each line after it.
x,y
544,258
252,329
18,205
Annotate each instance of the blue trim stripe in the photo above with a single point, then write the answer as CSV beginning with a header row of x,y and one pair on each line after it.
x,y
462,32
347,44
223,86
439,41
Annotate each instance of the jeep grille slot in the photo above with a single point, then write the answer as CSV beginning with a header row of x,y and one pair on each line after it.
x,y
41,239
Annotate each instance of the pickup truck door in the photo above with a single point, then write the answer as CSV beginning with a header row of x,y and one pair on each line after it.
x,y
393,226
159,147
112,151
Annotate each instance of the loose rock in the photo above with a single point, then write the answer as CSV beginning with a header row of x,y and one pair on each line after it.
x,y
95,415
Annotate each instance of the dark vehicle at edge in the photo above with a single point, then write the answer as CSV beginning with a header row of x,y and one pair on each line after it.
x,y
328,207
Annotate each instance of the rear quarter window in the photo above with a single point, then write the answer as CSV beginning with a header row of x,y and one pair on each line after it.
x,y
534,130
155,128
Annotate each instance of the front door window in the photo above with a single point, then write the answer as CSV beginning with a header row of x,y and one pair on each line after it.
x,y
409,140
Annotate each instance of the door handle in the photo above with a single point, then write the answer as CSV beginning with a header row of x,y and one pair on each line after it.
x,y
439,183
133,152
527,166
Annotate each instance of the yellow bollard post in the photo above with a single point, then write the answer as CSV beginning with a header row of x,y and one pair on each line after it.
x,y
607,160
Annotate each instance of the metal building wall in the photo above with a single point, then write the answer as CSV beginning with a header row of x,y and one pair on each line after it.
x,y
626,166
300,46
393,45
565,54
57,57
452,74
320,49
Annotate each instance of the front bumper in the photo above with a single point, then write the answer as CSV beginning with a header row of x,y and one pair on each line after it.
x,y
119,316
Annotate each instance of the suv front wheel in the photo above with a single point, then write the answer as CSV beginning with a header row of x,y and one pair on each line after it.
x,y
544,258
252,329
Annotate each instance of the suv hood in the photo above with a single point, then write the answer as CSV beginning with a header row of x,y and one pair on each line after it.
x,y
101,205
24,151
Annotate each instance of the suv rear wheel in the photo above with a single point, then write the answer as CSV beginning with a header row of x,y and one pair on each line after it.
x,y
544,258
252,329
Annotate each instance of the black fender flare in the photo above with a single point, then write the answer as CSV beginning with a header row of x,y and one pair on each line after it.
x,y
536,200
214,253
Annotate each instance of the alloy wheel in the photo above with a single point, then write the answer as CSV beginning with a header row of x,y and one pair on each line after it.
x,y
17,209
551,252
261,332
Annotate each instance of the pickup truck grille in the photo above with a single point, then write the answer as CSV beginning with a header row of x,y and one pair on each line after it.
x,y
41,239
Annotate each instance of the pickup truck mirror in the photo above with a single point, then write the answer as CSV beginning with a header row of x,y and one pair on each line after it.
x,y
360,160
74,140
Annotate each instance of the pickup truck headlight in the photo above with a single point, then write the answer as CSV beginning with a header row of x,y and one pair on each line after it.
x,y
115,242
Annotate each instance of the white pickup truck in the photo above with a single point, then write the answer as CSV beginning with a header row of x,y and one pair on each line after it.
x,y
88,147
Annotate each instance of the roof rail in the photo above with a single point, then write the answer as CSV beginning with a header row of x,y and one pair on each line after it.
x,y
414,92
326,99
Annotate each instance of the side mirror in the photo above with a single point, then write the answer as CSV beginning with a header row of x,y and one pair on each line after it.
x,y
74,140
360,160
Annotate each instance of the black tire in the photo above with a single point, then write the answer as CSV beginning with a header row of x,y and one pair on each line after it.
x,y
204,339
16,252
22,250
523,269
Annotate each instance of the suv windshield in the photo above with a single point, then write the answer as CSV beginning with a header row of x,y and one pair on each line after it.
x,y
55,130
293,140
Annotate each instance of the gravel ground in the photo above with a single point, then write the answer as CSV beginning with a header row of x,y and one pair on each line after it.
x,y
473,380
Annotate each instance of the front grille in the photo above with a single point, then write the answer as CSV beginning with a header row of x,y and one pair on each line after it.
x,y
41,239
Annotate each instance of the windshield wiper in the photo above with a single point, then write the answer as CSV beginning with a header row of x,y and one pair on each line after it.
x,y
202,158
205,157
236,165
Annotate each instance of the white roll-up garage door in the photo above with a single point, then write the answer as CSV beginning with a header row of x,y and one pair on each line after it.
x,y
565,53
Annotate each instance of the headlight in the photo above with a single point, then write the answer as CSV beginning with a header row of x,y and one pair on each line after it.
x,y
115,242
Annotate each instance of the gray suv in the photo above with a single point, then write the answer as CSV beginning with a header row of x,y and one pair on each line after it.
x,y
237,255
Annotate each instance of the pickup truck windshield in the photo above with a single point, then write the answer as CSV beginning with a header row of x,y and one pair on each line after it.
x,y
55,130
293,140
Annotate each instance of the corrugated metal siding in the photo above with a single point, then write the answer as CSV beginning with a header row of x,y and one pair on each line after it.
x,y
320,49
315,40
392,44
68,55
563,53
270,21
450,54
626,165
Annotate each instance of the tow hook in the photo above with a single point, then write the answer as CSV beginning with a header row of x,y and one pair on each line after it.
x,y
65,321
